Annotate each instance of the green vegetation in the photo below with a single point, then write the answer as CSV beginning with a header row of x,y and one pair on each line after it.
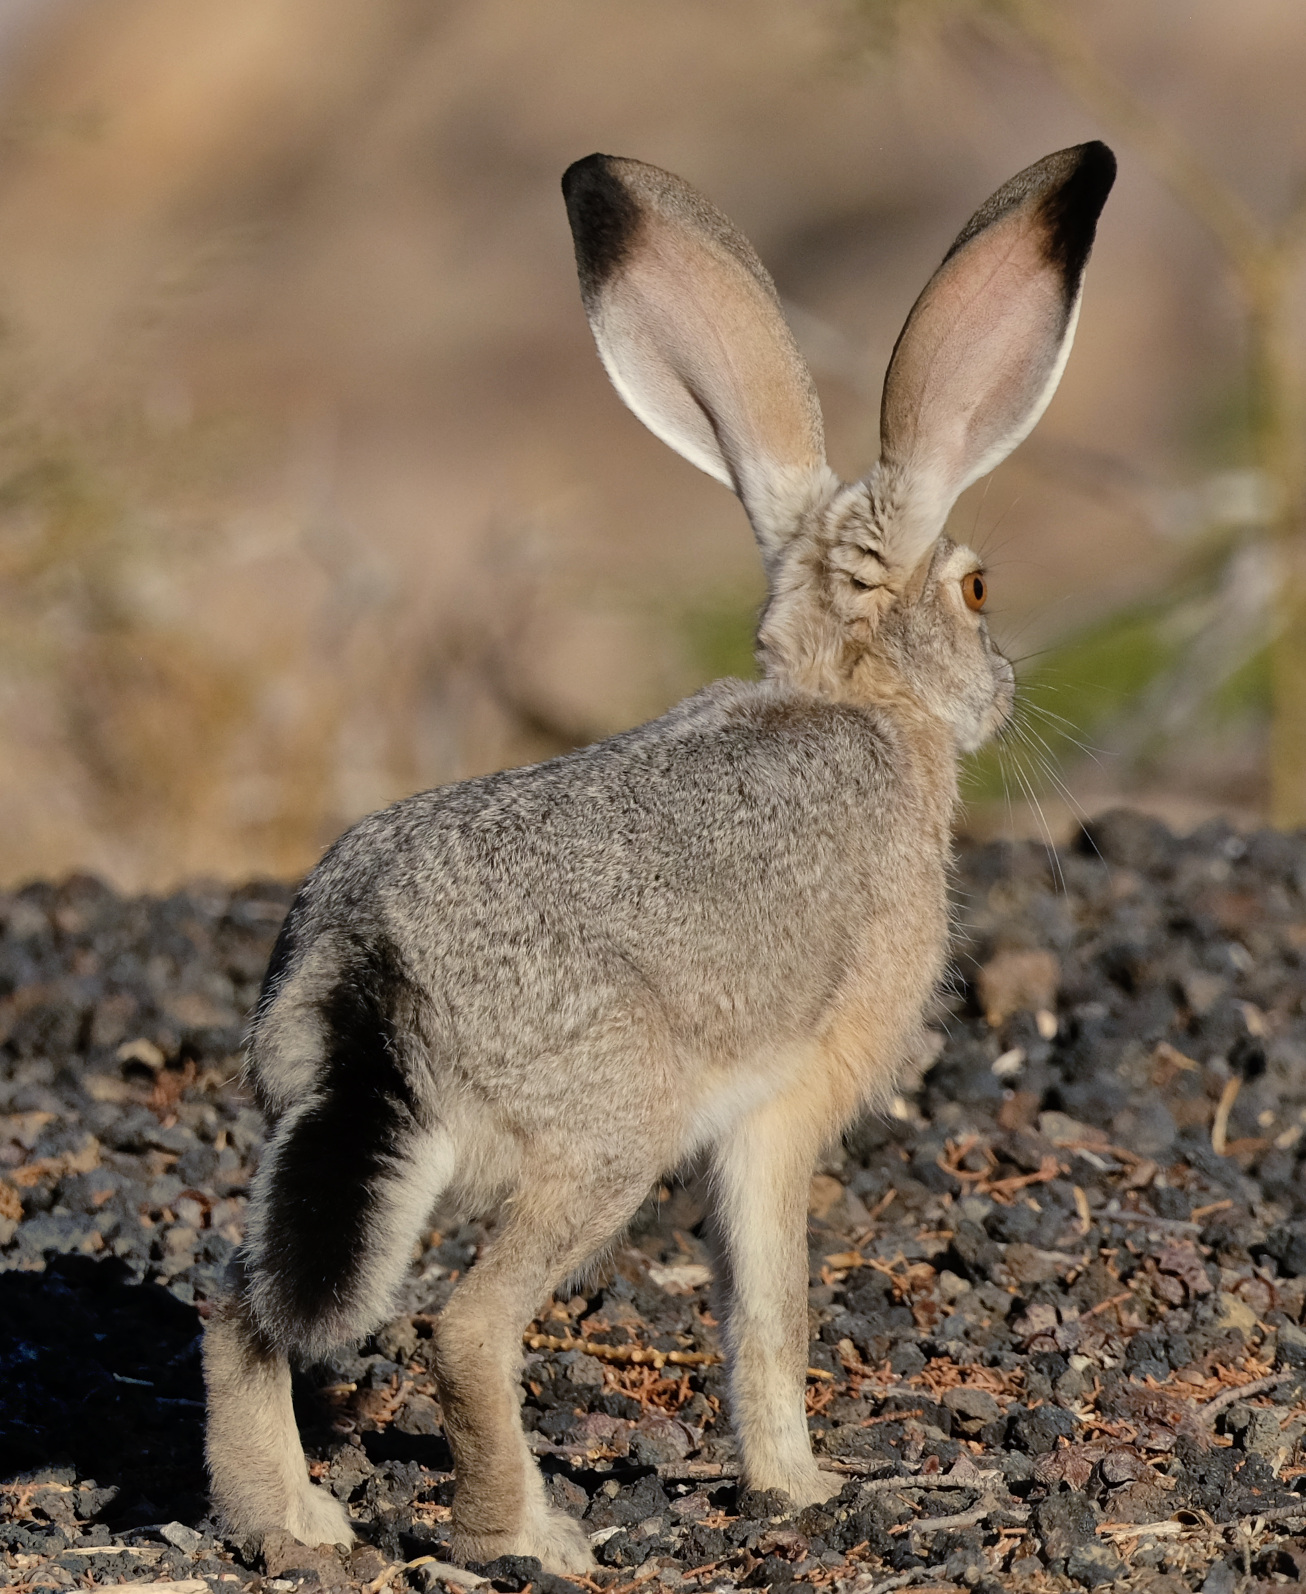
x,y
717,632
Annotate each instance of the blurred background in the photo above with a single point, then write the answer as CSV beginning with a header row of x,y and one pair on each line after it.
x,y
313,491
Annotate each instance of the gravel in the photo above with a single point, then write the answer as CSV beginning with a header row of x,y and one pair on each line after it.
x,y
1056,1297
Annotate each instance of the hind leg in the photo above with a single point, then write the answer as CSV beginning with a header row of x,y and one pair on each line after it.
x,y
317,1274
256,1465
551,1230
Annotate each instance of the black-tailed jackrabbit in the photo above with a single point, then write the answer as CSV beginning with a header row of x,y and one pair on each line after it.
x,y
711,937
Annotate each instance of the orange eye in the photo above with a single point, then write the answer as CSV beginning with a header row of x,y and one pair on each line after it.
x,y
974,590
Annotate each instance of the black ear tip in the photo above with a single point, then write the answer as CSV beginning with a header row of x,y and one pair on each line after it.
x,y
1097,170
1071,208
580,174
604,218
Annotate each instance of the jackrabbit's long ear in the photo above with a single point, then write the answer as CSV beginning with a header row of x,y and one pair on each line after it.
x,y
690,330
985,344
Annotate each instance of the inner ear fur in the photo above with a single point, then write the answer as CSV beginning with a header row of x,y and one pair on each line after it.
x,y
689,328
982,351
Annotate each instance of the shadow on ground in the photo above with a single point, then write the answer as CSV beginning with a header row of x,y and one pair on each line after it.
x,y
103,1375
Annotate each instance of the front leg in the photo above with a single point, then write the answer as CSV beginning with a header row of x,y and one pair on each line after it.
x,y
761,1177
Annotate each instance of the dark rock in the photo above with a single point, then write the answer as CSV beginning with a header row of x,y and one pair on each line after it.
x,y
907,1360
1287,1245
976,1251
971,1408
1290,1347
702,1545
281,1552
32,1538
566,1495
925,1167
1064,1521
1017,1223
1147,1128
765,1503
1221,1579
365,1562
1093,1564
1037,1431
1146,1354
1167,1202
197,1165
619,1550
511,1571
643,1499
772,1572
1132,840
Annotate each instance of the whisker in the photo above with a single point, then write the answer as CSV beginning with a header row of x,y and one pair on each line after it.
x,y
1054,859
987,543
1064,734
1060,727
979,507
1046,764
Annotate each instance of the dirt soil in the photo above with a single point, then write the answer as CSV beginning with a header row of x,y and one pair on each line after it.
x,y
1056,1296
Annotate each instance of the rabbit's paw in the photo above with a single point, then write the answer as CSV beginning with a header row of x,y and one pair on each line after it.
x,y
556,1540
317,1517
817,1487
804,1486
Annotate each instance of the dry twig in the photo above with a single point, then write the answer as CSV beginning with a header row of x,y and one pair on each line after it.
x,y
1178,1225
962,1519
641,1355
1258,1386
1278,1512
391,1572
933,1480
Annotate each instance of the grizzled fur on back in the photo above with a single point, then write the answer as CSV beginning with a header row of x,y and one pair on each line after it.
x,y
532,904
711,939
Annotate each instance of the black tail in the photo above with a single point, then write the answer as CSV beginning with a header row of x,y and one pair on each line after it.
x,y
340,1168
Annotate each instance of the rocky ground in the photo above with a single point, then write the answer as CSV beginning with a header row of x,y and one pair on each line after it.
x,y
1055,1298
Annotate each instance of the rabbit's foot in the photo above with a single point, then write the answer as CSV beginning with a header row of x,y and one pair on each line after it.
x,y
316,1517
804,1485
556,1540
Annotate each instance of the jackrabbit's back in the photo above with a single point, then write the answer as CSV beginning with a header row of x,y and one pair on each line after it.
x,y
717,872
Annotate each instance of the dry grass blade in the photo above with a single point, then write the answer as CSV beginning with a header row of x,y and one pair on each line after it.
x,y
1167,1529
1105,1306
1220,1127
1178,1225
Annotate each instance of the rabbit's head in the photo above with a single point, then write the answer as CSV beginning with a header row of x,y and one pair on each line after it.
x,y
868,601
